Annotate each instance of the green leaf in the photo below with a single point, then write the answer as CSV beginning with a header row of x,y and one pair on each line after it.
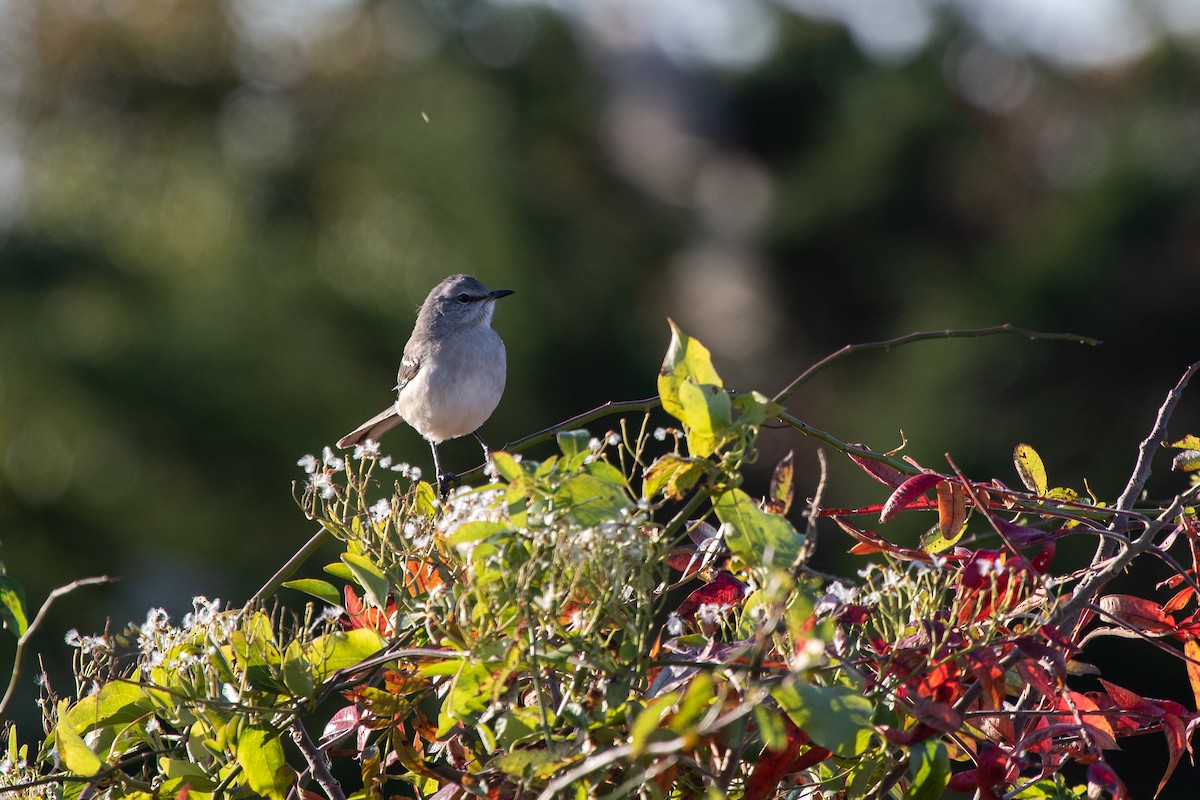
x,y
297,670
1030,468
696,701
836,717
324,591
770,727
475,531
928,770
74,754
594,496
671,475
537,764
369,577
260,754
757,537
117,703
425,500
1189,442
340,650
649,721
756,408
507,467
573,443
706,416
12,606
468,698
686,360
340,571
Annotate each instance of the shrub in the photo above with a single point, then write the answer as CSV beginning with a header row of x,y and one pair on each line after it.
x,y
622,619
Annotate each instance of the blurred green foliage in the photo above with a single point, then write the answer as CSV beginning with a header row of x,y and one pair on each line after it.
x,y
218,219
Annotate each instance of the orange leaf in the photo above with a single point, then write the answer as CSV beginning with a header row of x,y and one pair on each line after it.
x,y
952,510
1191,649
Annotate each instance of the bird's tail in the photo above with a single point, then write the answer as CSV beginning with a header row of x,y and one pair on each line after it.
x,y
373,428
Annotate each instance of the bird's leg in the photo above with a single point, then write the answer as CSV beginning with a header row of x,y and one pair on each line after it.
x,y
443,478
487,451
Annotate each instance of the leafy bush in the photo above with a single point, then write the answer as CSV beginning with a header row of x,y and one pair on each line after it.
x,y
621,619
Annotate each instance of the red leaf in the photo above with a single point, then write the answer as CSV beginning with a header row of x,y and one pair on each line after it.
x,y
907,493
1102,776
1125,699
1041,561
775,765
940,717
340,723
888,476
1173,729
1180,600
1140,614
723,591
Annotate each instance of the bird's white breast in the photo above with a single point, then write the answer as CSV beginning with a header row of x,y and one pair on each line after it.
x,y
457,388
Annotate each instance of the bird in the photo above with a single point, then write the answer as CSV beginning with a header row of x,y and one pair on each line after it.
x,y
452,373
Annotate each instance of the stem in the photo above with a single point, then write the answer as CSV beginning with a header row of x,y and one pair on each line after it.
x,y
847,448
293,564
921,336
32,628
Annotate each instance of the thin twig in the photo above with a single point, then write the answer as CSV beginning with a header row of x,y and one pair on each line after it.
x,y
814,508
318,762
32,628
1149,446
922,336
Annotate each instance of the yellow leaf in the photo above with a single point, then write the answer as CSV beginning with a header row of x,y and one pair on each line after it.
x,y
1030,468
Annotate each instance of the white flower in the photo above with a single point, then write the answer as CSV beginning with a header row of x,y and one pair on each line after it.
x,y
73,638
674,623
593,443
709,613
369,447
230,692
839,591
613,439
385,462
331,460
660,434
381,510
203,613
309,463
415,473
153,725
322,483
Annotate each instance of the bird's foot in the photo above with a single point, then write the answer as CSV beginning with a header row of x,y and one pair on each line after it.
x,y
444,481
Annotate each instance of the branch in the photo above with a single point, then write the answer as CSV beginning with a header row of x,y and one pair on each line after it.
x,y
546,434
1149,446
33,627
318,764
921,336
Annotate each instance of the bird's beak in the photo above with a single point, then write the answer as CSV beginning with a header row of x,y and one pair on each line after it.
x,y
497,294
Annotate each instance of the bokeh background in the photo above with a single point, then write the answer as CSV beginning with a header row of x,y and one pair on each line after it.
x,y
218,218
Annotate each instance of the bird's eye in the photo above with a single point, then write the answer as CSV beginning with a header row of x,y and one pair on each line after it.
x,y
464,298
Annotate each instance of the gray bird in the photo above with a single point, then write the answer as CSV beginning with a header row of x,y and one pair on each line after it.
x,y
452,373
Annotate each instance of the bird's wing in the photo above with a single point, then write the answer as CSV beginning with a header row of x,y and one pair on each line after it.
x,y
409,366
